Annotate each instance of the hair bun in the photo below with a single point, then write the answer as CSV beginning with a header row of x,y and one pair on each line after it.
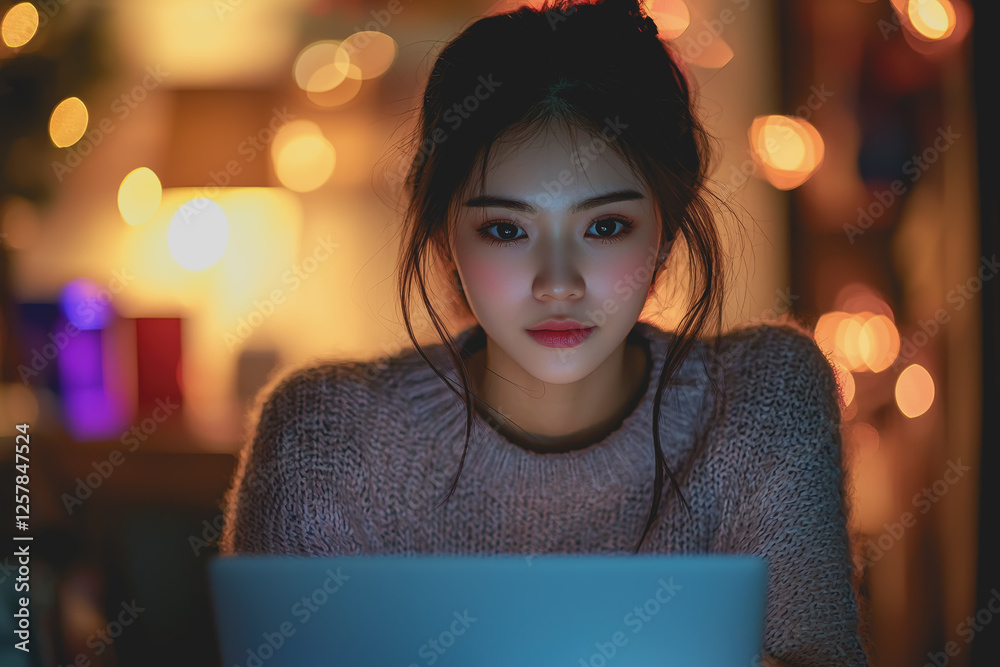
x,y
649,25
633,11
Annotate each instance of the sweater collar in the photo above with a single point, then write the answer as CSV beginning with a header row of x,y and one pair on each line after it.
x,y
682,407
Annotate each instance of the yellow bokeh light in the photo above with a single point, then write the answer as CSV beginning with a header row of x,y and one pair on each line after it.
x,y
789,149
931,19
371,51
914,391
346,91
139,196
321,66
20,24
289,131
783,146
305,162
68,122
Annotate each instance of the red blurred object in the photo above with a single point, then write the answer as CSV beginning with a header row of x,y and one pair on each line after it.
x,y
158,359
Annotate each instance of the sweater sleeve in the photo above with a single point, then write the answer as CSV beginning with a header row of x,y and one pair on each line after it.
x,y
790,505
296,487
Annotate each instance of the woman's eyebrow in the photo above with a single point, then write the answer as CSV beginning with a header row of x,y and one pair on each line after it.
x,y
494,201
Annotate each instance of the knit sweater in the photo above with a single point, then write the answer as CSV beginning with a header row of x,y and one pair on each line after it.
x,y
352,457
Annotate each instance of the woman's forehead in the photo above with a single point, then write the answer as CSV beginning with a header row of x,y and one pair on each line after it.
x,y
558,159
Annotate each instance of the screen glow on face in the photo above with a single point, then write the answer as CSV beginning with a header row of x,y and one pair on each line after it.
x,y
554,235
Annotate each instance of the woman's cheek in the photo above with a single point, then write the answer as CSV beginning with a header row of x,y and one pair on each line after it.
x,y
491,277
622,280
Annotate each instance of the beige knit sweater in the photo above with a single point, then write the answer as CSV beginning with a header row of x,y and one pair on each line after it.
x,y
352,457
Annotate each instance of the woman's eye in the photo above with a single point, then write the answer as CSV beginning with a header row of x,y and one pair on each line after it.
x,y
606,229
505,233
610,229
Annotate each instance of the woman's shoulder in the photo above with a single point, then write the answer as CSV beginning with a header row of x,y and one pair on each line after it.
x,y
773,348
784,398
322,393
779,353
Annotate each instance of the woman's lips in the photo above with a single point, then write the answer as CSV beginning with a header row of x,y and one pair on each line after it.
x,y
567,338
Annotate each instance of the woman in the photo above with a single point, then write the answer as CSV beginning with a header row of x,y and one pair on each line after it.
x,y
558,162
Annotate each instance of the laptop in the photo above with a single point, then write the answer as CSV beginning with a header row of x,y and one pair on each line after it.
x,y
500,610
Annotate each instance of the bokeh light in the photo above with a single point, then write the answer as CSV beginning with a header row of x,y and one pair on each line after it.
x,y
139,196
303,158
321,66
931,19
68,122
914,391
862,342
20,24
878,343
198,234
789,149
343,93
371,51
86,304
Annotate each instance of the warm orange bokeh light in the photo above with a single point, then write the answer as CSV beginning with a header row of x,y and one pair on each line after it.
x,y
847,340
19,25
878,342
68,122
914,391
789,149
931,19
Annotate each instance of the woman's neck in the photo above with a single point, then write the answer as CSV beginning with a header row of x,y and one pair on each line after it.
x,y
549,417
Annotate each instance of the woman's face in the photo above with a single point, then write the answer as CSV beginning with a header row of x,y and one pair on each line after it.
x,y
559,231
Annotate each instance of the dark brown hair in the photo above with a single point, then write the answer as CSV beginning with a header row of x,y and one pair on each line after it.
x,y
584,65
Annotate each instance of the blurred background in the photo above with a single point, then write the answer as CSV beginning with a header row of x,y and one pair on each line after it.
x,y
195,194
